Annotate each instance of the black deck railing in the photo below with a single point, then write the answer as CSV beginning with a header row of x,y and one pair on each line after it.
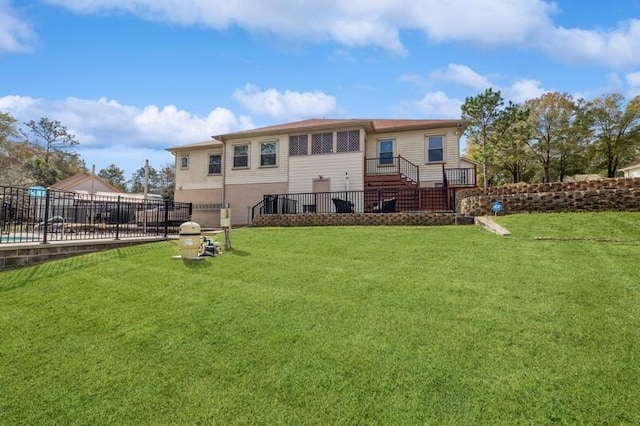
x,y
460,177
392,165
367,201
44,215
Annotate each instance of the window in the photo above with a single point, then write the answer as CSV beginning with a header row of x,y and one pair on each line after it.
x,y
215,164
348,141
321,143
385,151
435,149
184,162
240,156
298,145
268,154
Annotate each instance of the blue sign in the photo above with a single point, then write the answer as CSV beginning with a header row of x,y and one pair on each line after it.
x,y
37,191
496,207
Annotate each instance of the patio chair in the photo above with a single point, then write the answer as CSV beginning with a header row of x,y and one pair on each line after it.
x,y
342,206
385,206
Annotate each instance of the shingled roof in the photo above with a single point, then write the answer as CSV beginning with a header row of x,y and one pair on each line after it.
x,y
371,125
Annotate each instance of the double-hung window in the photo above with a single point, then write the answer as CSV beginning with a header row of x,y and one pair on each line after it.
x,y
215,164
241,156
268,154
435,149
184,162
385,151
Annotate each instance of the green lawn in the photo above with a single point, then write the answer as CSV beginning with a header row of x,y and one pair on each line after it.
x,y
336,325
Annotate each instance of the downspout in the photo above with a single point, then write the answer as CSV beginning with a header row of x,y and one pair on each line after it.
x,y
224,173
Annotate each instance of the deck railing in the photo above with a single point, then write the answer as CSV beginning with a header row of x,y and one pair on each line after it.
x,y
460,177
44,215
367,201
392,165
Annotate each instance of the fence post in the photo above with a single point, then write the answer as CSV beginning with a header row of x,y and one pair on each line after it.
x,y
166,218
46,216
118,218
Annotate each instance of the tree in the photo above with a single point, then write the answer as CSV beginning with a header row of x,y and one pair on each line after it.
x,y
616,131
114,175
513,157
167,181
558,137
55,157
136,183
13,153
482,112
51,135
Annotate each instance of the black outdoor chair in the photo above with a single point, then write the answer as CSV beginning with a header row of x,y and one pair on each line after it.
x,y
342,206
386,206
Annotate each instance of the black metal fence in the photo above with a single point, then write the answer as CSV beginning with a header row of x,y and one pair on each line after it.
x,y
461,177
367,201
44,215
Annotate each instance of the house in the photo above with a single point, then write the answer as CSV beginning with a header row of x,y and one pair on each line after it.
x,y
632,170
317,156
84,182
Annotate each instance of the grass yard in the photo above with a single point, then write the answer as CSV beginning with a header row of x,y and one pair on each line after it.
x,y
356,325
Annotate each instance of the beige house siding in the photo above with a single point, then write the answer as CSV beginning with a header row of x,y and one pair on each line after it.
x,y
254,173
304,169
206,205
413,147
196,176
243,197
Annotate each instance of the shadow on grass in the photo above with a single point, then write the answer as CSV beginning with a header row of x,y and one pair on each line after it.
x,y
237,252
24,275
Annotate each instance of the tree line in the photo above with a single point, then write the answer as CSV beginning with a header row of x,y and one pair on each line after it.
x,y
551,137
42,153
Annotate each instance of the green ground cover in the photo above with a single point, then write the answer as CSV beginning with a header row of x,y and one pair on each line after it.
x,y
380,325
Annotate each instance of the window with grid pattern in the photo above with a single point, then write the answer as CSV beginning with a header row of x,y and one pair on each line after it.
x,y
321,143
348,141
298,145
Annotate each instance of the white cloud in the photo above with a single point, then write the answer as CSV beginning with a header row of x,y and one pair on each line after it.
x,y
523,90
461,75
617,48
633,80
15,34
380,23
109,132
434,105
285,106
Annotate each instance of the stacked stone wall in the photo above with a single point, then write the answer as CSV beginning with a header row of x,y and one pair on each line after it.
x,y
365,219
622,194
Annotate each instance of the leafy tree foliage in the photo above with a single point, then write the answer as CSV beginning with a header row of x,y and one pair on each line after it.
x,y
558,134
54,158
114,175
482,113
13,153
615,130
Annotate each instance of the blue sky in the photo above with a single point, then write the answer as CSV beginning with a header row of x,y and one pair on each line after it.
x,y
132,77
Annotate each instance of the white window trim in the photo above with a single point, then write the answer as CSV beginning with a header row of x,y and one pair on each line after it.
x,y
184,156
209,163
393,150
277,153
426,149
233,156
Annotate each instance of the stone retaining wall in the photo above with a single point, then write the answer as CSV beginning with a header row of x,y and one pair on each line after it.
x,y
622,194
365,219
20,254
